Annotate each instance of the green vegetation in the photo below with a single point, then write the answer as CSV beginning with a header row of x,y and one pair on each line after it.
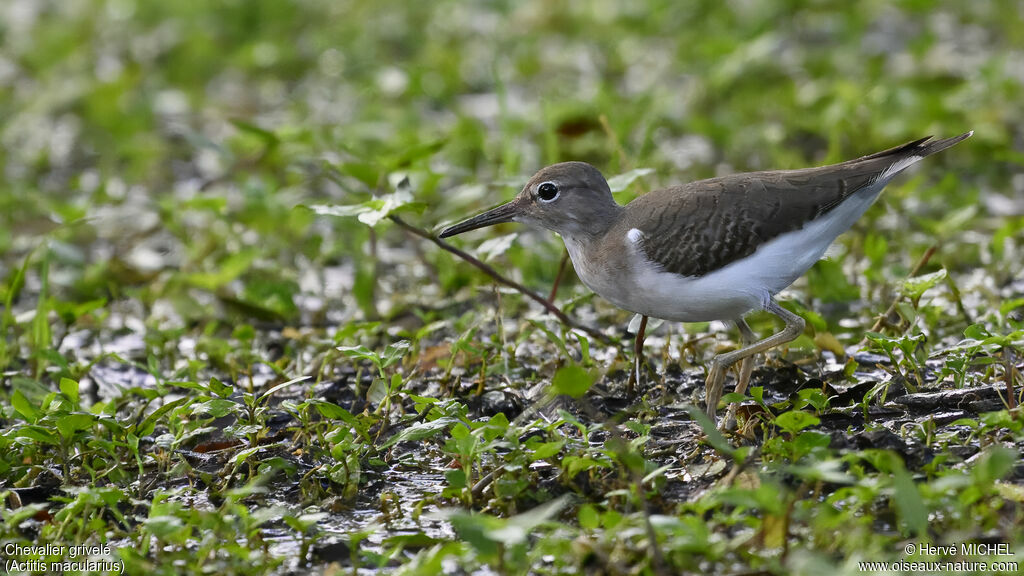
x,y
227,344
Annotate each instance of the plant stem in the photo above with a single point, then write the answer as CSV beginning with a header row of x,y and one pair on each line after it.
x,y
554,310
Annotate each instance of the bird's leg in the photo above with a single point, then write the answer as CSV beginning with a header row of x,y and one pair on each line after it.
x,y
638,358
719,364
748,337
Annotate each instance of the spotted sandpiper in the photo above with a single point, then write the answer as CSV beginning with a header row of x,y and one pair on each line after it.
x,y
714,249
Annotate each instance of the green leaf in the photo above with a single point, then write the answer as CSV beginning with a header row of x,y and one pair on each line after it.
x,y
994,465
546,450
24,407
69,424
333,411
485,532
39,434
589,517
907,499
796,420
243,455
572,380
713,437
914,287
41,333
227,271
519,527
374,210
394,352
266,295
145,428
554,338
456,478
69,388
281,386
494,247
1010,305
268,137
14,517
363,353
827,281
378,391
217,407
620,182
219,388
412,541
164,527
421,430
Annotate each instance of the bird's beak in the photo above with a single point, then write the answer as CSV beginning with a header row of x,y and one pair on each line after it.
x,y
505,213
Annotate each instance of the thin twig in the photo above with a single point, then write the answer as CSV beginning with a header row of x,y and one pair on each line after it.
x,y
558,278
554,310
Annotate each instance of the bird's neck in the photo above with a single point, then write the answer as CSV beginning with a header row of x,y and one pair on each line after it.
x,y
593,224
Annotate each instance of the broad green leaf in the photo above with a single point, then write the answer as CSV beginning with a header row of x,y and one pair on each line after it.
x,y
24,407
421,430
589,517
359,352
267,136
378,391
333,411
914,287
796,420
243,455
39,434
68,424
394,352
69,388
456,478
908,501
219,388
546,450
572,380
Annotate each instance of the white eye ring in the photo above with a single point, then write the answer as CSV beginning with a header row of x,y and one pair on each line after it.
x,y
548,192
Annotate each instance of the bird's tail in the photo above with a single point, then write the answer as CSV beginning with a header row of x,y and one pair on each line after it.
x,y
897,159
923,147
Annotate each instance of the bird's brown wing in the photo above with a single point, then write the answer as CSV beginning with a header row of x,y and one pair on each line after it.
x,y
714,222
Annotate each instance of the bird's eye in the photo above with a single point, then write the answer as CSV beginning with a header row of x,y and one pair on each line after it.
x,y
547,191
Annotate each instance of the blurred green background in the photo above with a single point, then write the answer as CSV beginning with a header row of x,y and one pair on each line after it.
x,y
171,140
159,159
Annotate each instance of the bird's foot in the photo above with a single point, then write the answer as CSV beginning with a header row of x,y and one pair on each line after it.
x,y
638,367
634,377
713,386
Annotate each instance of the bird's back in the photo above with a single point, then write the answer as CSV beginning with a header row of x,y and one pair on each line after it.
x,y
720,220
